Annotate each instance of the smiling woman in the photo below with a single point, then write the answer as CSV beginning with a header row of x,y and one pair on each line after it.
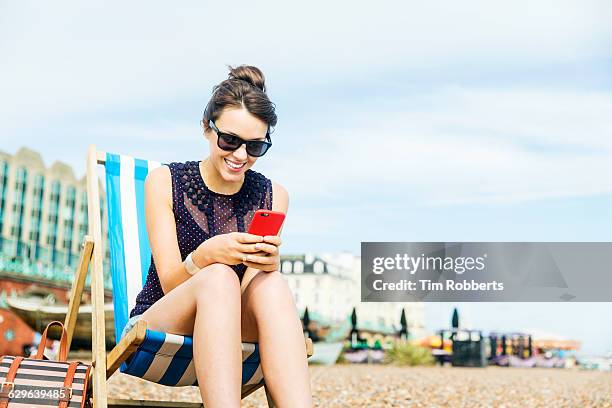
x,y
211,279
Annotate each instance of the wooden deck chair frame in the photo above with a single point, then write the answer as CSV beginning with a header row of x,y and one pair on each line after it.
x,y
105,365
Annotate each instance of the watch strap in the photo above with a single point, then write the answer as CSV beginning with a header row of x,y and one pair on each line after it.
x,y
190,266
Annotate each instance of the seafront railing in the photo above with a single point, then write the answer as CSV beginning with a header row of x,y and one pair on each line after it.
x,y
36,268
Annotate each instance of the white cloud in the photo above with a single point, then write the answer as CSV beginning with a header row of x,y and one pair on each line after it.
x,y
467,145
149,132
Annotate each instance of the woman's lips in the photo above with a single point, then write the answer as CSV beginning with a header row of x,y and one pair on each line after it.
x,y
232,165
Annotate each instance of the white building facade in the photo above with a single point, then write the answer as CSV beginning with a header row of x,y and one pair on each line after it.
x,y
329,285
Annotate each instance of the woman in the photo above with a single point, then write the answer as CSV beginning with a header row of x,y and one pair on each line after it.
x,y
209,278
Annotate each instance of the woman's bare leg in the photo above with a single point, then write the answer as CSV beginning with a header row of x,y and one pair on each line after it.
x,y
207,306
270,317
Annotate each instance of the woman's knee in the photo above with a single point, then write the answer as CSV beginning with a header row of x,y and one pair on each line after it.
x,y
268,286
218,278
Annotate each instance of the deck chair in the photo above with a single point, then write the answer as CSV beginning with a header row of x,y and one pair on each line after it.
x,y
163,358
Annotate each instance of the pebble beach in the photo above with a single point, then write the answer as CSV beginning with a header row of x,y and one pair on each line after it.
x,y
371,386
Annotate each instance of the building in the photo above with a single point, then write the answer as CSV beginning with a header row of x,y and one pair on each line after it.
x,y
43,219
318,285
43,210
330,286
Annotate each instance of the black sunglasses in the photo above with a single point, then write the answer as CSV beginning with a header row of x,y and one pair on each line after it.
x,y
229,142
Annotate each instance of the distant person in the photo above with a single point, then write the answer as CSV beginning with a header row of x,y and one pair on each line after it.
x,y
197,213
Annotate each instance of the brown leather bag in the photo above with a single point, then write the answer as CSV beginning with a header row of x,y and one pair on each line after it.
x,y
40,382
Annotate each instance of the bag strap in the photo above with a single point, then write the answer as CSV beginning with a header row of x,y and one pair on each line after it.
x,y
7,385
65,398
43,342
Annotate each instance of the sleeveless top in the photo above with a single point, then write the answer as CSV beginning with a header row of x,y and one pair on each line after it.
x,y
201,213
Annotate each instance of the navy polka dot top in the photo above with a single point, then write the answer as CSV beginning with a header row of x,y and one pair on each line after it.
x,y
201,213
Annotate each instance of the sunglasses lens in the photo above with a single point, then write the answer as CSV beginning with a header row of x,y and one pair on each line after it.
x,y
228,142
257,148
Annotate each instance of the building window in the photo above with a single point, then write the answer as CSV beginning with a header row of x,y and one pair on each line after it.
x,y
54,200
298,266
3,183
37,202
318,267
68,216
83,202
286,268
20,190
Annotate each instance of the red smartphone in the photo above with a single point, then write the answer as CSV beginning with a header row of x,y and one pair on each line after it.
x,y
266,222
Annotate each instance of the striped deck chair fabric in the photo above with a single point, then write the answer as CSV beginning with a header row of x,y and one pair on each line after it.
x,y
163,358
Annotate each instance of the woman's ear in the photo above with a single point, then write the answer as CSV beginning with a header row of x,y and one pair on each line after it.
x,y
205,131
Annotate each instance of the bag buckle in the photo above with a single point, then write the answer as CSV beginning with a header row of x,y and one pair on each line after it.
x,y
65,394
5,388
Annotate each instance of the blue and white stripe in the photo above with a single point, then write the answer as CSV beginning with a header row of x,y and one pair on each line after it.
x,y
167,359
129,245
163,358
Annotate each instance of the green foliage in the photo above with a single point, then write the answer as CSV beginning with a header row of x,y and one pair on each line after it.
x,y
406,354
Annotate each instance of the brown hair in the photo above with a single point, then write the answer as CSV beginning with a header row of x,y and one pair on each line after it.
x,y
244,88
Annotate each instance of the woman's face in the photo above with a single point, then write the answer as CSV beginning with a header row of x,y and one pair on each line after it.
x,y
239,122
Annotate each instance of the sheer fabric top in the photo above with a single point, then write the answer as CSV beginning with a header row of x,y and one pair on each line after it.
x,y
201,213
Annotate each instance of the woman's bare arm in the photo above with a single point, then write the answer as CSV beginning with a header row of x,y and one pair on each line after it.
x,y
280,200
161,227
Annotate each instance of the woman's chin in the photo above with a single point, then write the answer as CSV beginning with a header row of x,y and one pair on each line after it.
x,y
233,178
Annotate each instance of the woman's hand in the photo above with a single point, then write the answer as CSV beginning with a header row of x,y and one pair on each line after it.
x,y
229,249
268,260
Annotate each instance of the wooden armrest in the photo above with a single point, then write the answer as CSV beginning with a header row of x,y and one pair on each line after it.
x,y
76,291
128,344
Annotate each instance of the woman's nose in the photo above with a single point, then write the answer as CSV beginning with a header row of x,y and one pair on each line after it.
x,y
241,153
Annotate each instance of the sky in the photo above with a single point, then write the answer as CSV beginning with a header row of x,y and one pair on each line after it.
x,y
398,121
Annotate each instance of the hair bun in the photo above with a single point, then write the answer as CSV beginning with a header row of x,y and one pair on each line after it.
x,y
250,74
